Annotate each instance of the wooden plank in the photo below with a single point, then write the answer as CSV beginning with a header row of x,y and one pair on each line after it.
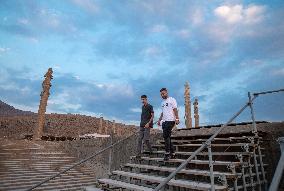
x,y
213,145
124,185
225,163
206,153
184,171
174,182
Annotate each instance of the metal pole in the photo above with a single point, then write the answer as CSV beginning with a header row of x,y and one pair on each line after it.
x,y
252,114
261,165
110,153
255,132
256,168
232,167
243,171
279,169
183,165
211,167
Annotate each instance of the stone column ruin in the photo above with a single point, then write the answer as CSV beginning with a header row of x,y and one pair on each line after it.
x,y
101,126
187,106
46,84
196,115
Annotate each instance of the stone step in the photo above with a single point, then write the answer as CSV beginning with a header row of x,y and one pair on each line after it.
x,y
55,184
184,171
175,137
205,153
212,145
34,180
174,182
124,185
206,162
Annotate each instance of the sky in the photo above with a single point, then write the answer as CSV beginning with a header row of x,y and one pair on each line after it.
x,y
106,54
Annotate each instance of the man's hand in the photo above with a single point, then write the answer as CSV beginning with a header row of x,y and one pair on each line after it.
x,y
159,123
147,125
177,121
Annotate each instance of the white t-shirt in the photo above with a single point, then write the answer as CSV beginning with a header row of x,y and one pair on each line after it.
x,y
167,107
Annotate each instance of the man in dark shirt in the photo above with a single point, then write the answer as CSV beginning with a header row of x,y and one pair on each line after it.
x,y
146,123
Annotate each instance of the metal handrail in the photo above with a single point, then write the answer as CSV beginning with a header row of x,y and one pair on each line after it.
x,y
80,162
208,142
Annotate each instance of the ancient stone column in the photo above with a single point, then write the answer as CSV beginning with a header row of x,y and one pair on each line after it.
x,y
113,127
101,126
196,115
106,129
46,84
187,106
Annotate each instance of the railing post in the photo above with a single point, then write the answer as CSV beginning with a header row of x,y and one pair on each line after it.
x,y
110,152
279,169
240,157
258,147
211,166
232,167
252,114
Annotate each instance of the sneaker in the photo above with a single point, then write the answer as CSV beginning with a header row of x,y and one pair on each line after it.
x,y
172,155
167,157
138,157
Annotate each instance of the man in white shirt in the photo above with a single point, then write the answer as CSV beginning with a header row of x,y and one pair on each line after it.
x,y
169,117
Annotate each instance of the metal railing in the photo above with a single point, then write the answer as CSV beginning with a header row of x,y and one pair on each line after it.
x,y
279,169
83,161
208,144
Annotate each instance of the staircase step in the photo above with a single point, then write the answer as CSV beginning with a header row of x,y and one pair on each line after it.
x,y
212,145
193,161
125,185
174,182
184,171
205,153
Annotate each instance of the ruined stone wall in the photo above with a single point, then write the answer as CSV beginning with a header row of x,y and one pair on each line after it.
x,y
100,164
60,125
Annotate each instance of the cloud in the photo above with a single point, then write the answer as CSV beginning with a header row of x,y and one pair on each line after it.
x,y
158,28
4,50
235,14
87,5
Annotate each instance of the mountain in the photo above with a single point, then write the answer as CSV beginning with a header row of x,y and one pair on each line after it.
x,y
7,110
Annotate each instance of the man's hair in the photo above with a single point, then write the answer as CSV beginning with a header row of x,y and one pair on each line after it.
x,y
143,96
163,89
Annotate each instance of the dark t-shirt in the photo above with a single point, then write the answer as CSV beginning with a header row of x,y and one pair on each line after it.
x,y
146,115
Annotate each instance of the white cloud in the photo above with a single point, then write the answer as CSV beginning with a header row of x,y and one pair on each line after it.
x,y
183,33
159,28
87,5
197,17
23,21
278,72
239,14
4,50
151,51
135,110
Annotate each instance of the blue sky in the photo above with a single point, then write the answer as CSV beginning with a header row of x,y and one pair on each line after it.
x,y
105,54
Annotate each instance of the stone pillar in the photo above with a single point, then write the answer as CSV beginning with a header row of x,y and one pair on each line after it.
x,y
106,129
101,126
46,84
113,127
187,106
196,115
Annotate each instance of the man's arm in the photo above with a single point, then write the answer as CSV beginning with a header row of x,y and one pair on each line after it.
x,y
151,119
160,119
176,114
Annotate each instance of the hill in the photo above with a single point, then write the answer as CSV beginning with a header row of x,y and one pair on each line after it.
x,y
8,110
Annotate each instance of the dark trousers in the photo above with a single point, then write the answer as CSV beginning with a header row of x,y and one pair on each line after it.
x,y
167,127
144,135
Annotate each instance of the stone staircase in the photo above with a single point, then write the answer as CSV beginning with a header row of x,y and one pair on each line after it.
x,y
24,164
236,160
